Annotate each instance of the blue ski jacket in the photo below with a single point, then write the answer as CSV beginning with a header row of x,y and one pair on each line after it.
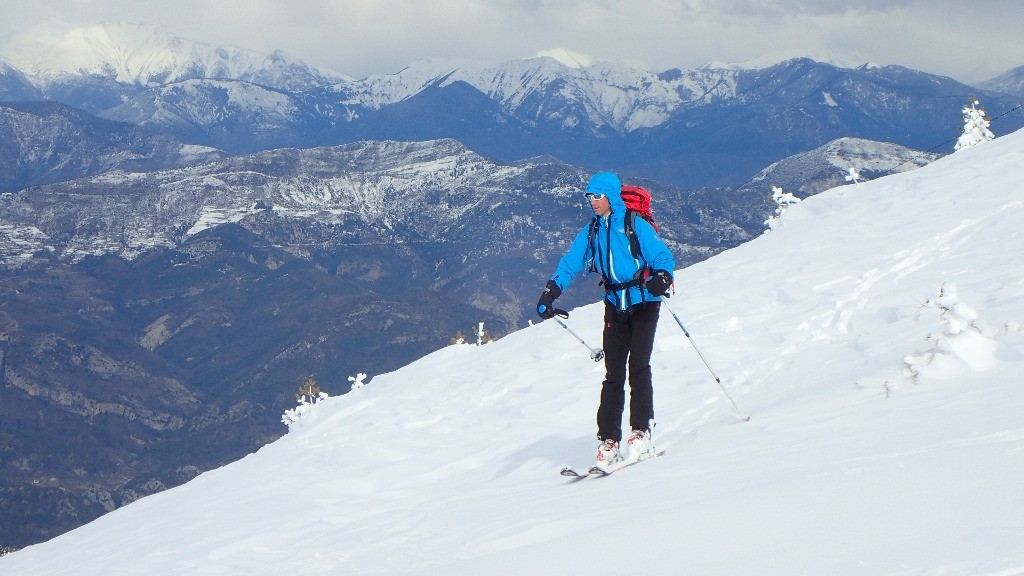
x,y
610,255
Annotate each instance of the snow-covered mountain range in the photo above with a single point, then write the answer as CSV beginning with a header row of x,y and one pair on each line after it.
x,y
146,55
705,126
874,338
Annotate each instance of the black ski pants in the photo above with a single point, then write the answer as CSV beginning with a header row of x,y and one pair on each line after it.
x,y
628,341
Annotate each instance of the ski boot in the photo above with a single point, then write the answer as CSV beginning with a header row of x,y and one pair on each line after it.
x,y
639,446
608,455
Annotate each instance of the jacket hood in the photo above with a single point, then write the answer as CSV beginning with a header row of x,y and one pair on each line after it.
x,y
608,183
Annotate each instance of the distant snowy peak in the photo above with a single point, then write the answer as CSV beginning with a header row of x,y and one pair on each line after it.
x,y
602,93
568,57
849,61
149,56
1011,82
827,166
546,88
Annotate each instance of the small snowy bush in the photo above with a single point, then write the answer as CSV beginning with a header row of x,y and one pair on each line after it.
x,y
307,397
975,129
357,380
482,337
782,200
965,342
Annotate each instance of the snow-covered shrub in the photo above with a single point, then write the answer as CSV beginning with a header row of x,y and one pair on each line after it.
x,y
782,201
965,342
357,380
482,337
975,129
307,397
853,175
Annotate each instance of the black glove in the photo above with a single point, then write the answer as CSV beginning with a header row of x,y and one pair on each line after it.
x,y
547,299
659,283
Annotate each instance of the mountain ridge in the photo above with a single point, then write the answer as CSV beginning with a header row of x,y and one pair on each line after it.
x,y
45,142
700,127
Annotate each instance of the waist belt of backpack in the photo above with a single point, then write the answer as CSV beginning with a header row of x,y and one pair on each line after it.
x,y
641,277
609,287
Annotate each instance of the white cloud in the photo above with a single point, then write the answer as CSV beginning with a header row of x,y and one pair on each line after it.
x,y
362,37
568,57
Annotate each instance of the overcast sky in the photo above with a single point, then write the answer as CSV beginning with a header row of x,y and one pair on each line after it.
x,y
363,37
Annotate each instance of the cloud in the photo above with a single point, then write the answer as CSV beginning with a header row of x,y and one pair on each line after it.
x,y
363,37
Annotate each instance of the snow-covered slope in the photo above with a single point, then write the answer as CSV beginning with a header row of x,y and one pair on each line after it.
x,y
875,338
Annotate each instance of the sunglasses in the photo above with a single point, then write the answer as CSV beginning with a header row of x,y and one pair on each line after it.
x,y
595,196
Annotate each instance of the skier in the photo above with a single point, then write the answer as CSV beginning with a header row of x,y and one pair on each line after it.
x,y
633,287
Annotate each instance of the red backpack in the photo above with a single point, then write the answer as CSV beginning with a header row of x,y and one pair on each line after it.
x,y
638,202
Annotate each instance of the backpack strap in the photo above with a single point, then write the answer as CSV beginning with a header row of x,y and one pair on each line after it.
x,y
634,247
634,242
590,255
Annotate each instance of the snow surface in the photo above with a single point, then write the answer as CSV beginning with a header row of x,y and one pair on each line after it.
x,y
875,338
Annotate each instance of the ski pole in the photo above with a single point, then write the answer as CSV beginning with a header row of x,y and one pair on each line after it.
x,y
705,360
596,354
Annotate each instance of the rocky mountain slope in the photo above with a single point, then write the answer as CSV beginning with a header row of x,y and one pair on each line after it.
x,y
15,86
828,166
1010,82
42,142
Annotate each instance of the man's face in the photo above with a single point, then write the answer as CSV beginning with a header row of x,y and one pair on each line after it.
x,y
600,204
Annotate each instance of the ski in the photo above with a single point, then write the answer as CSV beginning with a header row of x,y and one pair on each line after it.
x,y
575,475
571,473
594,470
